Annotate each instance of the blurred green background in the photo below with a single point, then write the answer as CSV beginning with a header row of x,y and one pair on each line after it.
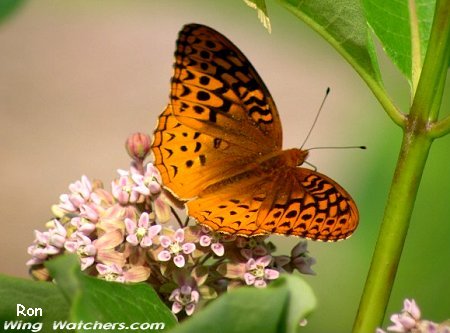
x,y
77,77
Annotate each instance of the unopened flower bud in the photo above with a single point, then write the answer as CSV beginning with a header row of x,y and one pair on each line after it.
x,y
138,146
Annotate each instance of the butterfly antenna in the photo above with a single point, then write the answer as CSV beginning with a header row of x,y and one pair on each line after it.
x,y
317,116
345,147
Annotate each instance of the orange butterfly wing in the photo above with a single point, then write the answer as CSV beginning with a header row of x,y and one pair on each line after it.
x,y
212,140
291,201
221,115
216,91
189,160
309,204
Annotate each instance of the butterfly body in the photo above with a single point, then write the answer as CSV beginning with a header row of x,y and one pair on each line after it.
x,y
218,146
264,166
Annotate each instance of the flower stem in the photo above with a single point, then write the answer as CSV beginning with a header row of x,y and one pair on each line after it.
x,y
441,128
392,233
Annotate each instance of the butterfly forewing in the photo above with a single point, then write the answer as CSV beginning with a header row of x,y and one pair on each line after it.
x,y
189,161
218,146
217,91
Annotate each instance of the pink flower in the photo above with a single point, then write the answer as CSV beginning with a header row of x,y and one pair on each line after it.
x,y
80,193
253,271
257,272
82,187
142,233
123,188
299,260
407,319
185,298
90,212
216,247
257,251
149,182
83,247
138,146
82,225
402,323
253,247
427,326
114,272
411,307
41,249
211,239
110,272
175,246
57,234
47,243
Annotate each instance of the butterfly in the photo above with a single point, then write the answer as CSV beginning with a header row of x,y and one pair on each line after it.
x,y
218,147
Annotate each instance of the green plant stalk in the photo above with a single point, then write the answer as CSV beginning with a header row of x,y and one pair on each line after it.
x,y
441,128
416,144
427,100
393,232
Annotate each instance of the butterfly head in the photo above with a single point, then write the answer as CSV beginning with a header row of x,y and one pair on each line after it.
x,y
295,157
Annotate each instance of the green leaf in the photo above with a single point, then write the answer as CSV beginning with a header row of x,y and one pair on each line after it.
x,y
390,22
31,294
343,25
263,15
278,308
448,42
403,28
8,7
94,300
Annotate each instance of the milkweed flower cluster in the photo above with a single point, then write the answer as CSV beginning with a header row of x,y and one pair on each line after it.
x,y
133,234
409,321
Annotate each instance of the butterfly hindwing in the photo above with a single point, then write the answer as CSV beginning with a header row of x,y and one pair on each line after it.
x,y
293,201
309,204
233,208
